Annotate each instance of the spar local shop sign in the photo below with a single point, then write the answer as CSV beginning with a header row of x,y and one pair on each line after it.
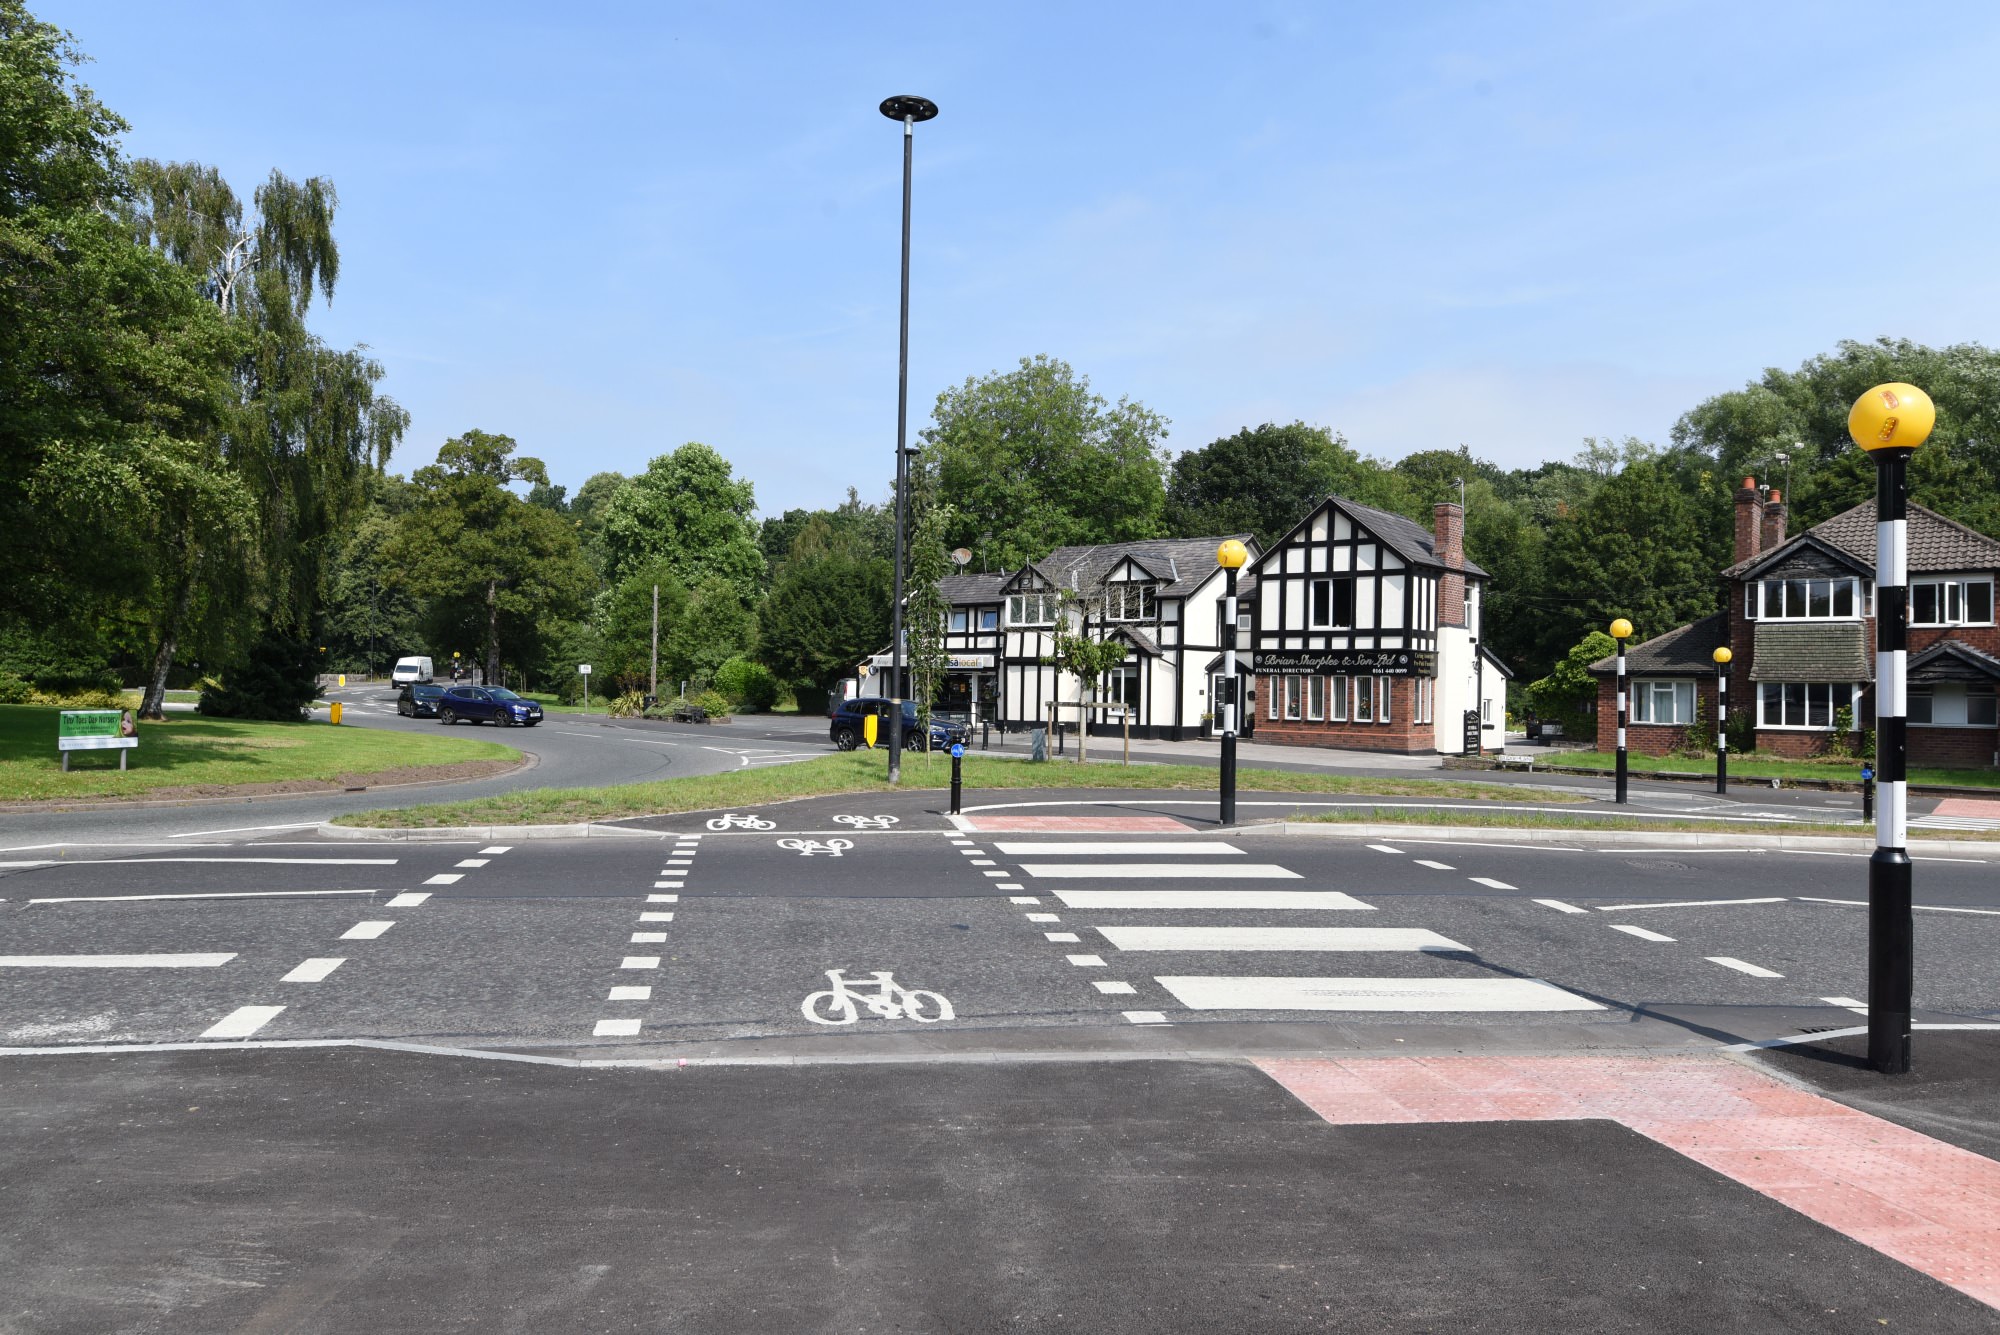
x,y
94,730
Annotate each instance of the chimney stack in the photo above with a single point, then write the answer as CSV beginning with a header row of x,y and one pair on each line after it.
x,y
1772,535
1448,542
1748,521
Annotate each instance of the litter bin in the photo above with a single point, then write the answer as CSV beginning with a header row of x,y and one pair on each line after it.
x,y
1038,744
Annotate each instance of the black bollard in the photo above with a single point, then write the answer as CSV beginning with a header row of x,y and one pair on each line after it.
x,y
1867,793
957,775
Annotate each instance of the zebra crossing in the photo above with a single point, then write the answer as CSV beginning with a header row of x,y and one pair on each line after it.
x,y
1182,947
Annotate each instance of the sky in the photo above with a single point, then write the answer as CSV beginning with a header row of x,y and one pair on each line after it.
x,y
609,229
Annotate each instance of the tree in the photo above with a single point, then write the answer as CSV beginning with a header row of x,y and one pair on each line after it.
x,y
586,511
717,626
1561,696
625,620
688,510
827,610
485,559
370,616
925,608
1031,460
1265,479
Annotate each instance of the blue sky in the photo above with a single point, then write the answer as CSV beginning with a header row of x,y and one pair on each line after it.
x,y
609,229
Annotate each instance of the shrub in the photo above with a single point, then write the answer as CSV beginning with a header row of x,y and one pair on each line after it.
x,y
277,681
714,703
79,699
14,691
632,704
747,683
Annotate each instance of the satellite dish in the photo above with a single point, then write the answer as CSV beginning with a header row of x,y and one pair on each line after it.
x,y
961,556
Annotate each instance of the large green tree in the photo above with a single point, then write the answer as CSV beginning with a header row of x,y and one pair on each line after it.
x,y
1265,479
827,610
1032,459
689,510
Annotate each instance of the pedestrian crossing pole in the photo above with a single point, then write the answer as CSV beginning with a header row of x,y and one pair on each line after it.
x,y
1889,422
1230,556
1621,631
1722,657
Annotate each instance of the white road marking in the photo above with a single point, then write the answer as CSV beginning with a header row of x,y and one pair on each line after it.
x,y
656,917
1642,933
670,885
1265,871
648,938
204,894
1210,899
1044,917
446,878
640,962
1110,988
242,1022
1857,1006
663,899
1754,970
1278,938
615,1029
245,829
1560,907
313,971
1384,848
408,900
1062,936
366,931
1491,884
680,862
1435,866
1121,848
1814,899
1943,908
630,994
1146,1017
498,848
279,862
1687,904
960,843
472,862
969,852
1007,885
1373,994
1023,899
115,961
995,873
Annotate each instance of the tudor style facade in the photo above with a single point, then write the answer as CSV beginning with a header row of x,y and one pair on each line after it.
x,y
1367,635
1799,619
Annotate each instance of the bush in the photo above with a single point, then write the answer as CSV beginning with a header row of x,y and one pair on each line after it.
x,y
78,699
632,704
748,684
713,703
277,682
14,691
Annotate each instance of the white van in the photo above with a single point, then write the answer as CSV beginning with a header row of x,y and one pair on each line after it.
x,y
411,670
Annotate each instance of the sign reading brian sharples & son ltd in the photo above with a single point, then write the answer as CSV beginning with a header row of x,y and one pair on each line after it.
x,y
1346,662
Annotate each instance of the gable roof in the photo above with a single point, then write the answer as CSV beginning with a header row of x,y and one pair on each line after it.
x,y
1181,564
1682,651
1936,544
1405,537
959,590
1953,660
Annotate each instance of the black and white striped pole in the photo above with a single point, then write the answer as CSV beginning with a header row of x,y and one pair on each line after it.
x,y
1722,657
1230,556
1621,631
1889,422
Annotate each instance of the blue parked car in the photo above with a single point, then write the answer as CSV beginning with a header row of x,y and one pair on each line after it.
x,y
487,704
846,733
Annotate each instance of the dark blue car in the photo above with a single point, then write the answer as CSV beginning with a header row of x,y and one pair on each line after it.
x,y
487,704
846,728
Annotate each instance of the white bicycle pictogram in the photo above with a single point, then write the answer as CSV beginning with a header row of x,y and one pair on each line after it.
x,y
731,821
805,848
881,994
867,822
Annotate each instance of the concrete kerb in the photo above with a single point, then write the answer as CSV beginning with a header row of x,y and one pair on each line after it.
x,y
458,833
1805,843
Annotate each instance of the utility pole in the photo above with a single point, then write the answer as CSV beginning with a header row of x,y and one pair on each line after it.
x,y
653,676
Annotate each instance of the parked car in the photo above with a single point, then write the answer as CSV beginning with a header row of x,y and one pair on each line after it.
x,y
418,700
846,728
487,704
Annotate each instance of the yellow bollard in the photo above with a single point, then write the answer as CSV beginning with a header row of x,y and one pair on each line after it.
x,y
868,729
343,679
333,711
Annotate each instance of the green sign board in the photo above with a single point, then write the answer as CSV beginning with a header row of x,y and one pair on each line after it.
x,y
93,730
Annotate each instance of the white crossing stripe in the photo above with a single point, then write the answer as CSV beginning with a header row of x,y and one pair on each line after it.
x,y
993,873
1121,848
656,917
1062,936
1023,899
471,862
1112,989
1086,961
498,848
366,931
640,962
670,885
630,994
663,899
1007,885
1384,848
648,938
408,899
1754,970
1146,1017
1210,899
1559,906
312,971
1644,934
242,1022
1373,994
446,878
1253,871
1490,883
1044,917
982,862
1277,938
1434,866
615,1029
115,961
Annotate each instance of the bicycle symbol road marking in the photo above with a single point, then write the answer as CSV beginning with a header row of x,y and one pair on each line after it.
x,y
729,820
805,848
867,822
884,997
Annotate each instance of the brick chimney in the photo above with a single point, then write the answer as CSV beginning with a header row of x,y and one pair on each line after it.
x,y
1772,535
1748,521
1448,541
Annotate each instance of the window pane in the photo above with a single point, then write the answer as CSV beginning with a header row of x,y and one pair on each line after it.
x,y
1337,687
1770,704
1924,604
1795,597
1315,698
1820,598
1322,601
1979,603
1795,703
1843,598
1343,601
1774,597
1291,697
1364,699
1819,713
1683,702
1382,700
1920,704
1979,706
1952,601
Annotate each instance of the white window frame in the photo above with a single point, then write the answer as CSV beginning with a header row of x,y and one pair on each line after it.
x,y
1680,696
1337,697
989,618
1271,703
1130,601
1927,717
1019,605
1833,704
1316,699
1761,595
1953,601
1294,693
960,621
1364,700
1382,696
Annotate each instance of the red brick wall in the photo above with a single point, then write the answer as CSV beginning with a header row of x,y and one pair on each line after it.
x,y
1749,521
1953,748
1652,739
1400,735
1448,541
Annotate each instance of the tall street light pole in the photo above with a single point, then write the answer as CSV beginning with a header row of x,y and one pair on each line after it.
x,y
1230,556
909,110
1889,422
1621,631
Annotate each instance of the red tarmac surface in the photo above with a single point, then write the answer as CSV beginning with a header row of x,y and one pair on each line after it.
x,y
1968,806
1932,1206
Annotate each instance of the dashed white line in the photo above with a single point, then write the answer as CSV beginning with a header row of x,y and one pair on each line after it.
x,y
1110,988
640,962
656,917
1146,1017
1434,866
1687,904
242,1022
670,885
1642,933
1062,936
446,878
313,971
211,961
630,994
1851,1003
1384,848
1491,884
1559,906
366,931
206,894
498,848
1044,917
615,1029
1008,885
409,899
648,938
472,862
663,899
1754,970
1023,899
1086,961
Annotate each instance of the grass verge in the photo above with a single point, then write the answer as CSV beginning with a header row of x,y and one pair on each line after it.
x,y
188,752
1563,820
1756,766
862,772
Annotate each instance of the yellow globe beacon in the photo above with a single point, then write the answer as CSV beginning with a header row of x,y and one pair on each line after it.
x,y
1621,629
1231,555
1723,655
1894,416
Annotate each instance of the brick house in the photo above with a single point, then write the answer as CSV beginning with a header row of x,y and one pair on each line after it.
x,y
1798,617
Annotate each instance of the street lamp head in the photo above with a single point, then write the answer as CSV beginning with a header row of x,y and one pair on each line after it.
x,y
1722,655
1894,416
904,107
1231,555
1621,629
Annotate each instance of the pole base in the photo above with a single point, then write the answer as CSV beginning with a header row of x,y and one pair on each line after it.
x,y
1891,969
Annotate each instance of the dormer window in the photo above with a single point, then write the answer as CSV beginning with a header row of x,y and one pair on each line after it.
x,y
1031,609
1129,602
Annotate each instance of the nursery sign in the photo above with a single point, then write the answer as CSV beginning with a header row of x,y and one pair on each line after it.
x,y
93,730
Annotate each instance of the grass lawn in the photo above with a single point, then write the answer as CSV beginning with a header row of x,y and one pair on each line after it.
x,y
191,752
1756,765
132,698
862,772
